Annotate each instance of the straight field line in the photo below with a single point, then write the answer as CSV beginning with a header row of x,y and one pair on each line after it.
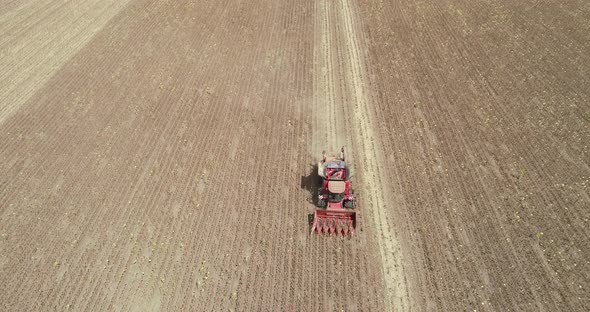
x,y
369,158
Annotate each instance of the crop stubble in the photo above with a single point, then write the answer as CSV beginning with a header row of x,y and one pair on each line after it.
x,y
38,37
481,110
160,167
152,159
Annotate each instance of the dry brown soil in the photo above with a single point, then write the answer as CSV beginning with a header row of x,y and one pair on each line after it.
x,y
158,155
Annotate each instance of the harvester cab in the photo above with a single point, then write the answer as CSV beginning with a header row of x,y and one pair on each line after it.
x,y
335,198
333,167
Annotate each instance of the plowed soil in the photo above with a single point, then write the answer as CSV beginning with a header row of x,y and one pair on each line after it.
x,y
159,155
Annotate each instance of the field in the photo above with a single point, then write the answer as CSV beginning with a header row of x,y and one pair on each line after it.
x,y
158,155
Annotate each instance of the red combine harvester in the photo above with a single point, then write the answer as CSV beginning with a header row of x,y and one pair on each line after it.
x,y
335,198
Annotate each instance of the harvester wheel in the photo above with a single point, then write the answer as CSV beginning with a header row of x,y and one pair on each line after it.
x,y
348,204
322,203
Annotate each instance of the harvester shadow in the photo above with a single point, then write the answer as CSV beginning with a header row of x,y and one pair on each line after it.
x,y
311,183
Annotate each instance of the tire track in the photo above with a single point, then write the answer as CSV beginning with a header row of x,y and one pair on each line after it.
x,y
329,128
340,89
369,156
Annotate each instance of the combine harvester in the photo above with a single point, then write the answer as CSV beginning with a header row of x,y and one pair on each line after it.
x,y
335,198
